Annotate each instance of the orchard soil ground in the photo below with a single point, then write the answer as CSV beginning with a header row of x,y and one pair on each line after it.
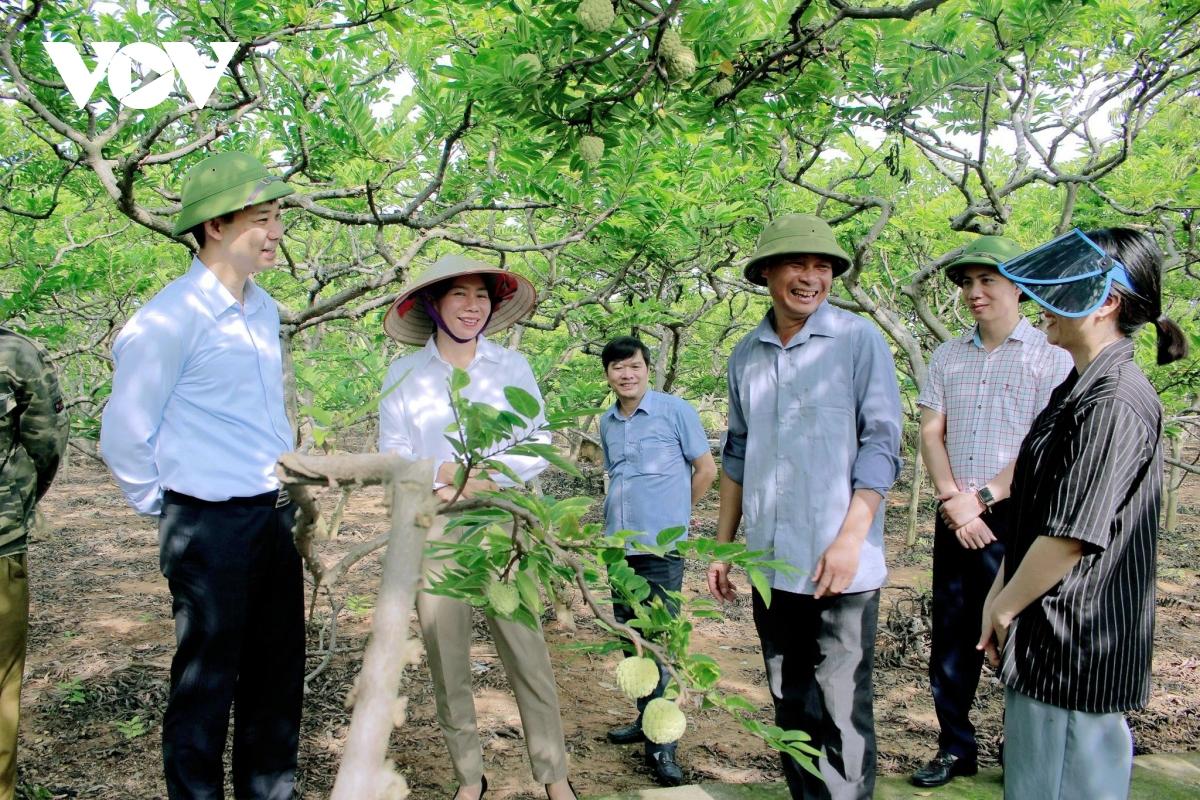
x,y
101,640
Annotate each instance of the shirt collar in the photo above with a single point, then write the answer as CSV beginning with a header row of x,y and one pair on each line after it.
x,y
1109,359
488,351
820,323
1023,332
216,296
648,406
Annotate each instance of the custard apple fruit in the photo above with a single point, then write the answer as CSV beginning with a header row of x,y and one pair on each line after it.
x,y
663,722
531,63
678,58
503,597
591,149
596,15
721,86
637,676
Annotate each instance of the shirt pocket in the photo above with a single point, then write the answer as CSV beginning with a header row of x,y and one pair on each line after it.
x,y
656,457
1017,400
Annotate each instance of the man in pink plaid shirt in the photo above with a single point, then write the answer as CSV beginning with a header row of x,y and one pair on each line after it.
x,y
983,392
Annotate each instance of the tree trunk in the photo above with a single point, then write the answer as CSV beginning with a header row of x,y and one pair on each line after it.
x,y
662,358
1174,481
914,497
364,773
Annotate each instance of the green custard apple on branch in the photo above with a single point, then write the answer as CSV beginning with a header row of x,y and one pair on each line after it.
x,y
530,62
663,721
503,598
720,87
677,56
596,15
637,676
591,149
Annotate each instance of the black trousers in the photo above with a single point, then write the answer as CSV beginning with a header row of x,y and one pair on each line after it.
x,y
819,656
238,600
961,580
664,574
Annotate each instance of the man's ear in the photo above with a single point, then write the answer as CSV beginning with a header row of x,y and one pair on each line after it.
x,y
214,229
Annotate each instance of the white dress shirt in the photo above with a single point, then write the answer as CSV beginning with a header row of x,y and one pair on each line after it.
x,y
197,401
415,410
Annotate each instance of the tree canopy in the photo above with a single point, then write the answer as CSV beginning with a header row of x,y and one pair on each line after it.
x,y
626,167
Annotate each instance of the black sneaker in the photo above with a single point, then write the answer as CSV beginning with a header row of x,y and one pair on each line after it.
x,y
944,767
627,734
666,770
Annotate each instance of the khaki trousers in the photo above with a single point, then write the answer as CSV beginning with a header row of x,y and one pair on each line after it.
x,y
14,625
446,628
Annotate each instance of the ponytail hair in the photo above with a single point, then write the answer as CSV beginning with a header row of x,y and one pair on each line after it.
x,y
1143,261
1172,344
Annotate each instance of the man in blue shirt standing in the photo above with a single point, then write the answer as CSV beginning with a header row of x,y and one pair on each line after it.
x,y
659,465
812,449
192,431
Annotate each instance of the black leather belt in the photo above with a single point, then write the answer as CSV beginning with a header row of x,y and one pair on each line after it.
x,y
277,498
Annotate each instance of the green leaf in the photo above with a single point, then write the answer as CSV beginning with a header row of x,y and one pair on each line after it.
x,y
459,380
529,592
522,402
759,579
669,535
503,469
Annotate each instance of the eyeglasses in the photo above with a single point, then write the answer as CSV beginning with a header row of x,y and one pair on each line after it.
x,y
1070,275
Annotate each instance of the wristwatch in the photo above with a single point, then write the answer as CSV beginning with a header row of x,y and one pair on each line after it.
x,y
985,496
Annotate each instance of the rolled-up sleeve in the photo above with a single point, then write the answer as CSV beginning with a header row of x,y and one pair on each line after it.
x,y
733,455
877,463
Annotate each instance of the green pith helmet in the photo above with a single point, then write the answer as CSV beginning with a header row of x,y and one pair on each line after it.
x,y
794,234
225,183
986,251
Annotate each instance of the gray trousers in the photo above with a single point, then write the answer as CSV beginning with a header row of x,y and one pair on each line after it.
x,y
1052,753
446,629
818,655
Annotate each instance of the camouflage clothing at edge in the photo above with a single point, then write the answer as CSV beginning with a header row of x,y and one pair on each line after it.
x,y
33,435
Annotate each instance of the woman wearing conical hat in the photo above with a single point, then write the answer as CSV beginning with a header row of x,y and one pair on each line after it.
x,y
446,311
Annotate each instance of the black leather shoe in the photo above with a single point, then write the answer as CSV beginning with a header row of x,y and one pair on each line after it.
x,y
627,734
942,768
666,770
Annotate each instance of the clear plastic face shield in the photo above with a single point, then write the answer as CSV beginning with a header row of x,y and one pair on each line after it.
x,y
1070,276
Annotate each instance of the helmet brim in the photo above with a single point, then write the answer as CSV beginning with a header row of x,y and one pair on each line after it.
x,y
235,198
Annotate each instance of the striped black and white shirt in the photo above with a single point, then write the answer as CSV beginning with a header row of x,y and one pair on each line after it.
x,y
1090,469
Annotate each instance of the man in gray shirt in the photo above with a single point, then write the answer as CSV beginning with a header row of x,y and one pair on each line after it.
x,y
814,433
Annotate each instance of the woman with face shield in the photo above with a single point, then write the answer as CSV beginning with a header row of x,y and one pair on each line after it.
x,y
1070,618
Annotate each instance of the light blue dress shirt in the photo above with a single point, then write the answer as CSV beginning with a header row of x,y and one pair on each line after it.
x,y
649,459
197,401
809,424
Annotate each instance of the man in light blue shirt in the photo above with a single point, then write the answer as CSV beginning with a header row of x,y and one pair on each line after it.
x,y
659,465
191,432
812,449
